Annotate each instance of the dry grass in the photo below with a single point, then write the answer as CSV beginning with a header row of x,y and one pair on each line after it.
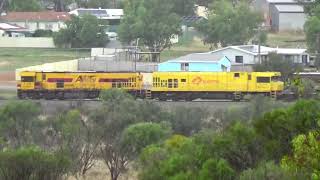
x,y
100,172
287,40
13,58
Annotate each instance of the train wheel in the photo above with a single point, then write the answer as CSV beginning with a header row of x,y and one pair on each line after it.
x,y
22,95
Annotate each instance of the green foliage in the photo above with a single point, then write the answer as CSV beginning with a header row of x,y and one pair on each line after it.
x,y
239,145
216,169
277,128
148,21
187,121
84,31
24,5
31,163
267,171
184,7
306,155
279,64
312,28
140,135
119,111
43,33
303,88
229,24
204,156
18,121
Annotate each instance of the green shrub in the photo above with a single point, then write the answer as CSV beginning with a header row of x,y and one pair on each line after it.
x,y
31,163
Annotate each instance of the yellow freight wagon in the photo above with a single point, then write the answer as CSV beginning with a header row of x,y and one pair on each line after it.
x,y
213,85
61,85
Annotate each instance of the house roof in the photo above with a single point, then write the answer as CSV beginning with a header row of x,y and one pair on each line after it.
x,y
36,16
282,1
264,50
8,27
99,13
290,8
197,57
191,19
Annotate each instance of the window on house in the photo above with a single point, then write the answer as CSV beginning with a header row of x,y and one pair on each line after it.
x,y
236,75
184,66
263,79
49,26
304,59
239,59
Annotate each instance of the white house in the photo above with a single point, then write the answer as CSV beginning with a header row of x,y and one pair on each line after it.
x,y
46,20
249,54
104,14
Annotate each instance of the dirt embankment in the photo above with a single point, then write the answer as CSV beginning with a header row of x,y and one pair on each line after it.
x,y
7,81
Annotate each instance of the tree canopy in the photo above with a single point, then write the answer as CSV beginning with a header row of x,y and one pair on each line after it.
x,y
84,31
149,21
229,23
25,5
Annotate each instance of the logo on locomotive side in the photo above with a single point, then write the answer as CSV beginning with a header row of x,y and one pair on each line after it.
x,y
83,78
198,80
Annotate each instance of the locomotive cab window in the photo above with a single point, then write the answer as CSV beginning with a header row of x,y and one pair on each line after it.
x,y
183,80
236,75
263,79
249,77
27,79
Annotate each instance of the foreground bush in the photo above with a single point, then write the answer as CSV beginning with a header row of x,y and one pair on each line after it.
x,y
31,163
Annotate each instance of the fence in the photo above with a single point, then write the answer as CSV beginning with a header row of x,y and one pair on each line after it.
x,y
30,42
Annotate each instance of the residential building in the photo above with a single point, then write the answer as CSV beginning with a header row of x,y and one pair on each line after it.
x,y
249,54
46,20
112,17
196,62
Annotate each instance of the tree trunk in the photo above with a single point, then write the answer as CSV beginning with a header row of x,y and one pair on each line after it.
x,y
114,175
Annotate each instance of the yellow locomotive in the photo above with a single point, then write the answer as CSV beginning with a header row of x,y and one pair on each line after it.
x,y
68,85
214,85
164,85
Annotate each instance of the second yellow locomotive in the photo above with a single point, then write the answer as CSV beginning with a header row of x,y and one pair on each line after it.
x,y
214,85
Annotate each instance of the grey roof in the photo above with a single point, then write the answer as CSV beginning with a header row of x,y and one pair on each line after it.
x,y
282,1
292,8
96,12
198,57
